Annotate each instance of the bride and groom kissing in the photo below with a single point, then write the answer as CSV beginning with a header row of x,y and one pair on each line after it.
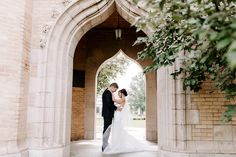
x,y
116,114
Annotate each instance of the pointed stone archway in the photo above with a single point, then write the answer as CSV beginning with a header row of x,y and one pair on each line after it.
x,y
55,93
148,83
96,55
49,114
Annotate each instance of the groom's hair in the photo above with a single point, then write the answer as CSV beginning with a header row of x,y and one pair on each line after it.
x,y
114,85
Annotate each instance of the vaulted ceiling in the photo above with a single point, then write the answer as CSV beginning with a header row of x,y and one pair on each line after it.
x,y
114,21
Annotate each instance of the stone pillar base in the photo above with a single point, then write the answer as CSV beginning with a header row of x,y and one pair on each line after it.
x,y
54,152
162,153
21,154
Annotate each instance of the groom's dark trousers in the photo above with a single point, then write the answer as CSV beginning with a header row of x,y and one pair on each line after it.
x,y
107,123
108,109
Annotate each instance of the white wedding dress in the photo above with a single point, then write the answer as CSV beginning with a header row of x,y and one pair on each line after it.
x,y
121,141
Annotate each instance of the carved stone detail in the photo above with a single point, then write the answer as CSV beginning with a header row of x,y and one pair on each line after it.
x,y
46,28
66,2
43,43
55,13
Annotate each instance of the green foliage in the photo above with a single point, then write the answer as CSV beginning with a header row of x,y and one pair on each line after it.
x,y
201,34
137,94
229,113
110,71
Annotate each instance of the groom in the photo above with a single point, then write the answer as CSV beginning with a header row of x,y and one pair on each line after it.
x,y
108,109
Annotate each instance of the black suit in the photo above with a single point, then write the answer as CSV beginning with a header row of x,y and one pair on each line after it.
x,y
108,109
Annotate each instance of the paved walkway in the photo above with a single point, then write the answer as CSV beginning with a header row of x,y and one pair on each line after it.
x,y
92,148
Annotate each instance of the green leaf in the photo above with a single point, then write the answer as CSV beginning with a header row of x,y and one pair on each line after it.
x,y
136,1
193,82
162,3
222,34
223,43
229,113
201,36
213,35
233,25
231,55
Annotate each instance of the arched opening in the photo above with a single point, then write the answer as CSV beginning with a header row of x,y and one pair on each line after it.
x,y
56,71
128,73
95,47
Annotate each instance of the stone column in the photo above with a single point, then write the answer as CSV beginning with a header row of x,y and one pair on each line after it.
x,y
15,30
89,119
166,130
189,123
151,107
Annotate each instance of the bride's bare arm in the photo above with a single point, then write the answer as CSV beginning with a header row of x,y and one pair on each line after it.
x,y
120,101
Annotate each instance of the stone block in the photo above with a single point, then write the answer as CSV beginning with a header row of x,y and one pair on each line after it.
x,y
207,147
227,147
234,133
3,147
223,132
202,155
193,117
191,146
180,117
189,132
181,132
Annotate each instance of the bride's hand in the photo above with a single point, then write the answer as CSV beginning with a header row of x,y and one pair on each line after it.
x,y
113,98
119,108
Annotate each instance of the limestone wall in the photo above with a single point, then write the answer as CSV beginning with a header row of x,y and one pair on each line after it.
x,y
42,114
189,123
15,36
57,27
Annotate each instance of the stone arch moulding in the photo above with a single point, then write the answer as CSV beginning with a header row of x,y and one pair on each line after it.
x,y
119,52
56,68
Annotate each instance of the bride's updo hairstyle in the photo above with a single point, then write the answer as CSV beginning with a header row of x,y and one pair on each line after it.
x,y
124,92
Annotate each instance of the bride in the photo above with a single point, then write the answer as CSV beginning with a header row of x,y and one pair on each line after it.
x,y
121,141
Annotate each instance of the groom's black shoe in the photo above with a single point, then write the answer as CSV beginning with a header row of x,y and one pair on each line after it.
x,y
102,149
